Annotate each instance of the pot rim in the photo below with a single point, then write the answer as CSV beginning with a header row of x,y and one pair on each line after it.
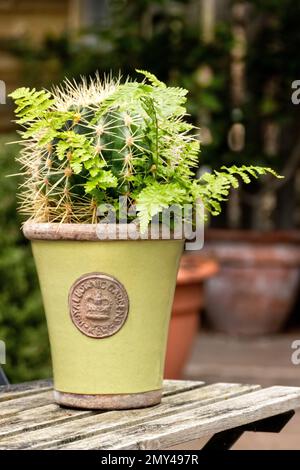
x,y
92,232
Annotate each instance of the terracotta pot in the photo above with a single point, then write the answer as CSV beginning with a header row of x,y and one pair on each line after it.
x,y
257,284
188,302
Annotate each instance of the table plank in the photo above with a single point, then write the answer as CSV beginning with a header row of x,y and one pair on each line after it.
x,y
11,392
38,410
15,391
53,433
197,421
19,404
16,398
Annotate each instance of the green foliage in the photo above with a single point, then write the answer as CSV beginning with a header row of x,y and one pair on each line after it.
x,y
22,323
129,139
158,35
156,197
165,37
214,187
31,103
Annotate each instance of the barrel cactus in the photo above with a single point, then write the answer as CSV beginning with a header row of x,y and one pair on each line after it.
x,y
90,143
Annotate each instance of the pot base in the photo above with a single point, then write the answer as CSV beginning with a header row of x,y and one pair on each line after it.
x,y
108,402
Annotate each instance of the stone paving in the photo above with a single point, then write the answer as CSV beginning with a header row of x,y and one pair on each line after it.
x,y
265,360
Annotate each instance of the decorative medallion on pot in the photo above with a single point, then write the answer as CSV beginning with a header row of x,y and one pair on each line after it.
x,y
98,305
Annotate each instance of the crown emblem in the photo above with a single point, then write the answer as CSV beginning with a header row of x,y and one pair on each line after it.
x,y
98,307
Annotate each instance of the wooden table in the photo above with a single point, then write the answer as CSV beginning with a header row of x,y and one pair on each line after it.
x,y
190,410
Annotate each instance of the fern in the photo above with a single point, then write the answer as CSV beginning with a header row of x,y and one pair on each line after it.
x,y
96,141
102,180
31,104
152,78
213,188
155,198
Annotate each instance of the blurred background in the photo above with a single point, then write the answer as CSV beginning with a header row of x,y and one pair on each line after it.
x,y
237,300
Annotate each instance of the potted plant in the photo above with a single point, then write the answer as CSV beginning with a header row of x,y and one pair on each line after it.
x,y
108,287
258,280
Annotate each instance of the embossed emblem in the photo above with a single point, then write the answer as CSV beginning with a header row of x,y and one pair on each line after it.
x,y
98,305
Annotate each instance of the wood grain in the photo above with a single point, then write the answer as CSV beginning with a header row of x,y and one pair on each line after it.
x,y
11,392
29,419
197,422
52,428
37,409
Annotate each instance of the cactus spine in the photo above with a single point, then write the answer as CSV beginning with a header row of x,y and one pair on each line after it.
x,y
89,143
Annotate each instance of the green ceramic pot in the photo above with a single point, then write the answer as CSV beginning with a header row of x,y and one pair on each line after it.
x,y
108,305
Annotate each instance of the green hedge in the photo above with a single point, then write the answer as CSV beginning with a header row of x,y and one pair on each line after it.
x,y
22,322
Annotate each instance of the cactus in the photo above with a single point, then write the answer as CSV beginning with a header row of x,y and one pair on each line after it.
x,y
89,143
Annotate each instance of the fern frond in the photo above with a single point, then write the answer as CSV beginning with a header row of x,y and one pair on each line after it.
x,y
31,103
155,197
213,188
246,171
152,78
94,141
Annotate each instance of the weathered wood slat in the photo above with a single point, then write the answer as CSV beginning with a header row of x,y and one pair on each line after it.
x,y
15,391
53,434
11,392
171,387
30,419
17,405
38,410
41,394
31,385
196,422
37,418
